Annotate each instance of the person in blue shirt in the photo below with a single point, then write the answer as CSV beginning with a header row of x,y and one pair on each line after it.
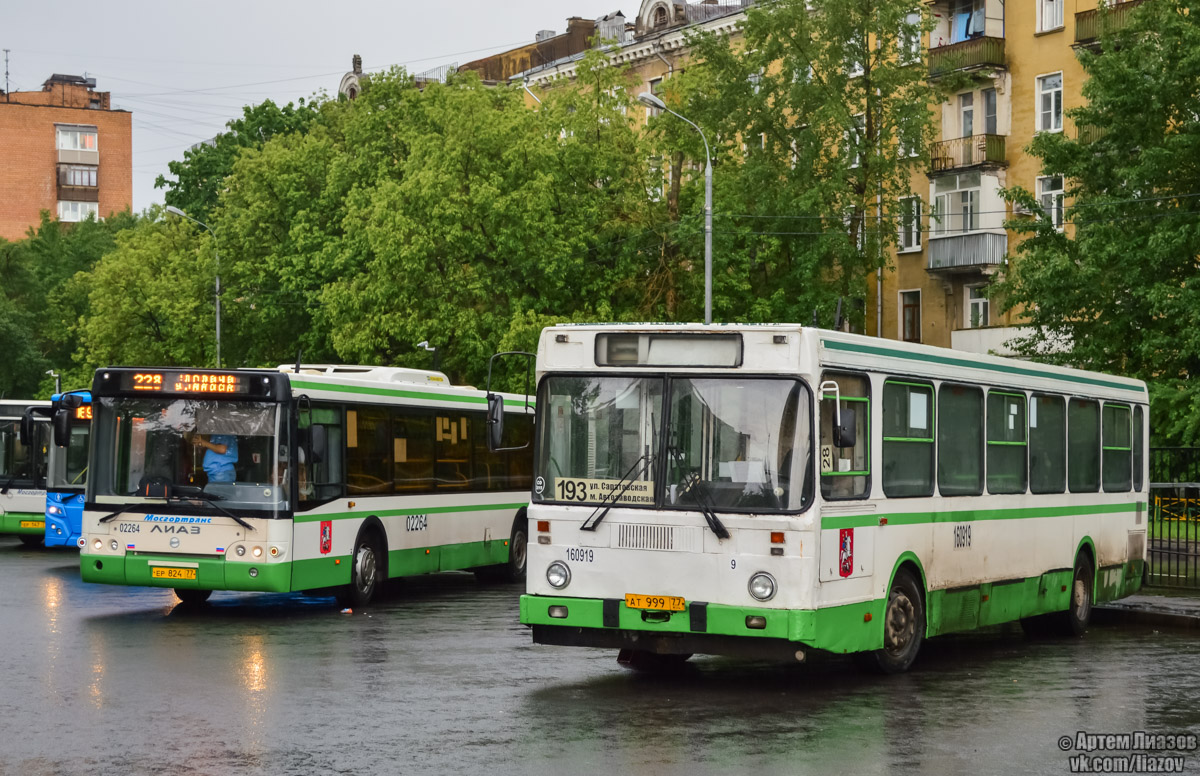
x,y
220,455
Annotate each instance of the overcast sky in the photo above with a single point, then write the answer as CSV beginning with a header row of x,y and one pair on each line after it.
x,y
185,68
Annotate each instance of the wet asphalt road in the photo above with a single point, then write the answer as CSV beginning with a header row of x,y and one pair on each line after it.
x,y
441,678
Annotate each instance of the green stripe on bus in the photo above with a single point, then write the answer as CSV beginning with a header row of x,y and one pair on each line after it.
x,y
971,515
963,362
366,511
402,394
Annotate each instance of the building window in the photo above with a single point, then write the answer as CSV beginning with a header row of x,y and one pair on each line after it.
x,y
77,211
956,203
660,17
910,316
1050,15
910,38
1050,195
855,55
977,307
910,224
989,112
1050,108
76,139
854,139
966,20
966,113
755,81
77,175
656,90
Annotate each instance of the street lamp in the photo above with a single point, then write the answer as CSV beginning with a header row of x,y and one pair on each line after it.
x,y
650,100
177,212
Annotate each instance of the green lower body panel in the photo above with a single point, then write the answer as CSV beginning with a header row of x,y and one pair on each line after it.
x,y
849,628
35,524
211,573
447,557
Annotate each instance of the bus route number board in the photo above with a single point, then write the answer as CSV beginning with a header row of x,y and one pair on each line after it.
x,y
658,603
158,572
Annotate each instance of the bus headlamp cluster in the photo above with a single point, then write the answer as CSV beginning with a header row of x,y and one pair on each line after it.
x,y
54,510
762,586
558,575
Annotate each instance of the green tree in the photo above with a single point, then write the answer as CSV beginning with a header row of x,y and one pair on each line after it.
x,y
200,175
815,118
1116,290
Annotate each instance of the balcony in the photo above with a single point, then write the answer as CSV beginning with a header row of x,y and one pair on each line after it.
x,y
974,252
1090,25
78,183
974,54
964,152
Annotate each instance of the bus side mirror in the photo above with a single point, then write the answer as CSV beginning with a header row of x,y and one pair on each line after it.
x,y
71,401
495,421
26,434
62,428
319,439
845,429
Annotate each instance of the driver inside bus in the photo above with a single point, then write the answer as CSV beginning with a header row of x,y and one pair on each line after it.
x,y
221,453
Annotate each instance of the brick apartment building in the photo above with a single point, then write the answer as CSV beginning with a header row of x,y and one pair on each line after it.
x,y
65,150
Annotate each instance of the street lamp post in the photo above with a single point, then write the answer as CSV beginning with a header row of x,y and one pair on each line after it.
x,y
177,212
652,101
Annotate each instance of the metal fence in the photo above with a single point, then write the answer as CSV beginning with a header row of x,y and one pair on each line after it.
x,y
1173,532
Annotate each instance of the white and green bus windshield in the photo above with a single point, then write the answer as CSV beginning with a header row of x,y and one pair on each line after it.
x,y
683,442
229,451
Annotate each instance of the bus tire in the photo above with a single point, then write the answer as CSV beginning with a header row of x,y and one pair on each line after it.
x,y
903,627
32,540
191,597
1074,621
518,556
643,661
366,571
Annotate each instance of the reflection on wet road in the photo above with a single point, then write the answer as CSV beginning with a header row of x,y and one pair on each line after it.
x,y
441,678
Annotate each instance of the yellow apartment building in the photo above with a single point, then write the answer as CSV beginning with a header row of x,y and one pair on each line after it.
x,y
1020,58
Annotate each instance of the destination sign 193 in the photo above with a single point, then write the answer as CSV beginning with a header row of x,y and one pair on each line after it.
x,y
185,382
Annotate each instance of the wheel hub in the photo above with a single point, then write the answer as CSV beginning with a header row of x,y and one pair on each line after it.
x,y
365,568
519,549
1082,599
899,623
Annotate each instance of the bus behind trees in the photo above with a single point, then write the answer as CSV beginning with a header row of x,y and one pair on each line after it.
x,y
771,490
23,472
322,477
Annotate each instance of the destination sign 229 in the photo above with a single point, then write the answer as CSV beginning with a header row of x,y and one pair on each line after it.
x,y
580,489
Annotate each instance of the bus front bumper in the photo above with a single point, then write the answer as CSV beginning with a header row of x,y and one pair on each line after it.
x,y
58,533
211,573
704,628
22,523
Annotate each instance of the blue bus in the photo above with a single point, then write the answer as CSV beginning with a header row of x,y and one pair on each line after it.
x,y
67,467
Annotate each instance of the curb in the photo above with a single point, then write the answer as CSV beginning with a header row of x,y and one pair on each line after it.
x,y
1124,615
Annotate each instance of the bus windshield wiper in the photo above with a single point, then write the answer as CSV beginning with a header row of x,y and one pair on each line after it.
x,y
694,486
618,490
212,499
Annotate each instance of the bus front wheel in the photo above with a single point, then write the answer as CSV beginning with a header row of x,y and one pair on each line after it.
x,y
365,571
903,627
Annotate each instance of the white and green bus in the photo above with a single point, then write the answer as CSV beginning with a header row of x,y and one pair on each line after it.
x,y
769,490
23,473
303,478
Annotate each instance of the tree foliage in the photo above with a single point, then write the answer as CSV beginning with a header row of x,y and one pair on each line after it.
x,y
1117,290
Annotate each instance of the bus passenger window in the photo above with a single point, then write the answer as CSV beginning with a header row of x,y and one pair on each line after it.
x,y
412,443
907,439
846,471
1047,444
960,440
1118,448
1083,446
1139,450
1006,442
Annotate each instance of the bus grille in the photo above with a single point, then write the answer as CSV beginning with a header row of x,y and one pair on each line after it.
x,y
634,536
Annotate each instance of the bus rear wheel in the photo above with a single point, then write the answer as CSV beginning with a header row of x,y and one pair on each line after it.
x,y
903,627
190,597
366,572
1074,620
32,540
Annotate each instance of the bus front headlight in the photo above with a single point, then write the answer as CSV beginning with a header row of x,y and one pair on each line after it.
x,y
762,586
53,510
558,575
